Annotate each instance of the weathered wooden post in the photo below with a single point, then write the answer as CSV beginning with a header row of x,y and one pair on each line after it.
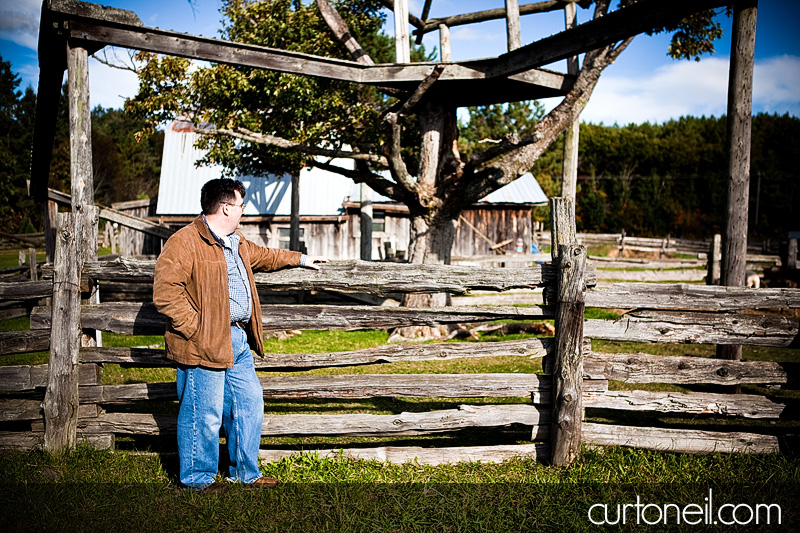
x,y
61,397
740,109
791,255
714,256
512,25
32,268
294,216
402,45
444,43
365,222
569,172
567,367
76,243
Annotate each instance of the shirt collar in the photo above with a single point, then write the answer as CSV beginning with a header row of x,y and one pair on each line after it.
x,y
228,241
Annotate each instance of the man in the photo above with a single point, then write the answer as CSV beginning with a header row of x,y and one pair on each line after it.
x,y
204,286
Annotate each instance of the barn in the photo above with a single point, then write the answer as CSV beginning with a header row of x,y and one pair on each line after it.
x,y
329,208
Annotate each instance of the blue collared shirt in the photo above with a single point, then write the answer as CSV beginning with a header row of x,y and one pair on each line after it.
x,y
238,280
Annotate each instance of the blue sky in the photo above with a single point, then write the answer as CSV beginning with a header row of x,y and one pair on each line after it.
x,y
643,85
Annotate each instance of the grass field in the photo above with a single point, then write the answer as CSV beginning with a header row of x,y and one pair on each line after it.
x,y
135,487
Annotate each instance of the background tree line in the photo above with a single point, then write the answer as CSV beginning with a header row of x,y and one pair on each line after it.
x,y
655,180
649,180
126,166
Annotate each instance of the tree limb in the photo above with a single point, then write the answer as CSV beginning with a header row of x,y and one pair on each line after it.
x,y
501,164
374,181
291,146
342,32
114,64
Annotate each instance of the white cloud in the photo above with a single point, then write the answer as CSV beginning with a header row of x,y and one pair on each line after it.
x,y
775,85
691,88
466,33
19,22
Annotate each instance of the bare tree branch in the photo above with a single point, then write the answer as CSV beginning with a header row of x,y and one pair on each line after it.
x,y
291,146
115,63
342,32
376,182
397,166
501,164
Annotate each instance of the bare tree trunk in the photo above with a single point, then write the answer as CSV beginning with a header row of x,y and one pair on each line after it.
x,y
432,229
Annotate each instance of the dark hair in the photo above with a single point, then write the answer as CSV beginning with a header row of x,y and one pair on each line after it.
x,y
219,191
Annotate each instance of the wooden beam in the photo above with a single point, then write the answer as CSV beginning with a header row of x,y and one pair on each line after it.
x,y
616,26
136,318
24,341
528,348
697,328
698,403
534,387
690,296
684,370
489,14
137,223
425,456
363,276
680,440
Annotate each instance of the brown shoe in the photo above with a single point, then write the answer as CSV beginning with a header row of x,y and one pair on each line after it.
x,y
217,487
264,483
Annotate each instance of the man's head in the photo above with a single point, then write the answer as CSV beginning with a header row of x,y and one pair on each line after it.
x,y
222,201
219,192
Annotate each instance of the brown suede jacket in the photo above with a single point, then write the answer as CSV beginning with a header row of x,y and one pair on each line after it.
x,y
191,289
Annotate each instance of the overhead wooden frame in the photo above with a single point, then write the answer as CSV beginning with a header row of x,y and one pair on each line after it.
x,y
513,76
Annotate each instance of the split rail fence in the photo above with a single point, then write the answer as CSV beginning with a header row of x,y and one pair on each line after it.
x,y
552,405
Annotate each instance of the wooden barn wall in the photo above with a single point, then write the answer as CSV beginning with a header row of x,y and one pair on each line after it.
x,y
498,224
334,239
338,238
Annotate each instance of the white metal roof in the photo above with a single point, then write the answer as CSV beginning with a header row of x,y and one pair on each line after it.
x,y
321,192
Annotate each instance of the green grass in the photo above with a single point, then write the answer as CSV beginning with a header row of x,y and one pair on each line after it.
x,y
91,490
74,490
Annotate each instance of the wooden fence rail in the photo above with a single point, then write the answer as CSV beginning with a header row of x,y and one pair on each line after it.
x,y
674,313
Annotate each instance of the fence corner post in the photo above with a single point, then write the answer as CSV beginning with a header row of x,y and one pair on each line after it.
x,y
568,363
567,369
61,397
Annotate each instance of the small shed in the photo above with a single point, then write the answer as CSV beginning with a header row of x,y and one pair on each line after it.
x,y
330,208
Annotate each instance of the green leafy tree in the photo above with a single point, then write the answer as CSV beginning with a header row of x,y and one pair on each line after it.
x,y
17,213
285,120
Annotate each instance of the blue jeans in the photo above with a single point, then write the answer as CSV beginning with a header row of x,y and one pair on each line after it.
x,y
209,399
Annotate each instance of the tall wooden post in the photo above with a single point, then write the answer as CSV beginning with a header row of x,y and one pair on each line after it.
x,y
402,44
562,222
61,397
365,218
714,257
567,367
444,43
294,217
740,103
569,172
81,174
50,224
512,25
791,254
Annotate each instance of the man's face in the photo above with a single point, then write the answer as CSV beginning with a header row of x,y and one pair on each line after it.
x,y
236,209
